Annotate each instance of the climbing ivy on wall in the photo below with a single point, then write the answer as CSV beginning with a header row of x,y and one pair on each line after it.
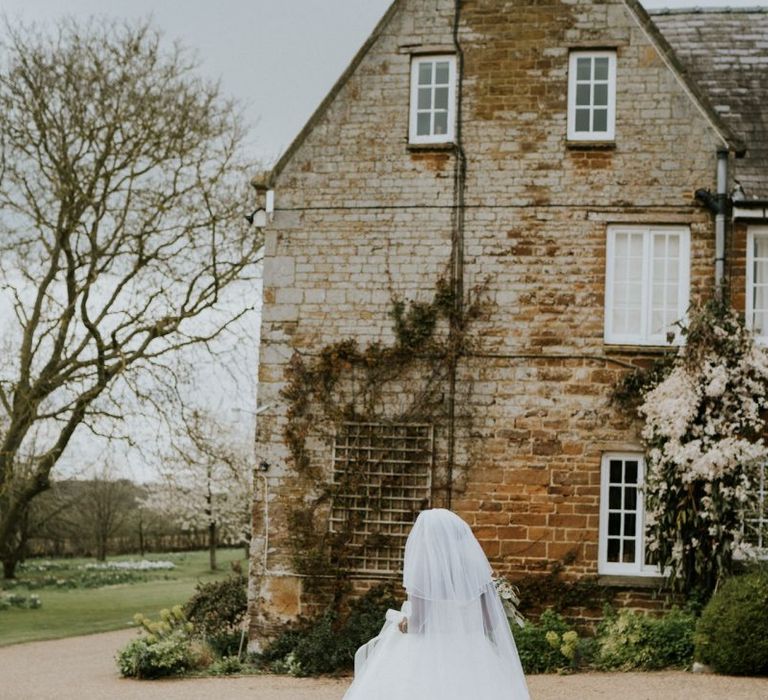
x,y
345,381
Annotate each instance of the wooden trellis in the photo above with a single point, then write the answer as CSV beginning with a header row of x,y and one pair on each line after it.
x,y
382,476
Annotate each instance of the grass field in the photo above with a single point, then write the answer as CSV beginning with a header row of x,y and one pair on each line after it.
x,y
66,613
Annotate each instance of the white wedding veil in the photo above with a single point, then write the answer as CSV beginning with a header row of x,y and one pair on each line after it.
x,y
458,641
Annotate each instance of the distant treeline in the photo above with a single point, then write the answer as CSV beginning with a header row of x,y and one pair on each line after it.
x,y
100,517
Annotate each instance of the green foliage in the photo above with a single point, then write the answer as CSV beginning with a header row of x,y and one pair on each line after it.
x,y
75,579
15,600
632,387
164,649
226,666
732,634
216,612
629,640
552,591
549,645
328,643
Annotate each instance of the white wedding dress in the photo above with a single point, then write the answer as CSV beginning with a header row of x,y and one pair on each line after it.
x,y
458,644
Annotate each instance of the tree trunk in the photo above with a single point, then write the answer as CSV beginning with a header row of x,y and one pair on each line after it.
x,y
9,567
141,536
101,549
212,545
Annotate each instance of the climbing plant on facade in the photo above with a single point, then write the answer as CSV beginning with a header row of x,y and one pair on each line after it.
x,y
704,420
401,381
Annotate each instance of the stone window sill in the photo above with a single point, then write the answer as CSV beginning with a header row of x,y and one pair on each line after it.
x,y
614,581
639,349
590,145
448,146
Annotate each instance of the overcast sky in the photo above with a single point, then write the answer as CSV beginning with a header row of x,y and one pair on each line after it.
x,y
279,58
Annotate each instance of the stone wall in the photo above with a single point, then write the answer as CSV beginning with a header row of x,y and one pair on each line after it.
x,y
361,218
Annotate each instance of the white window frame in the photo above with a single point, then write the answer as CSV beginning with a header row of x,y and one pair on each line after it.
x,y
638,567
752,233
761,517
448,137
610,133
643,335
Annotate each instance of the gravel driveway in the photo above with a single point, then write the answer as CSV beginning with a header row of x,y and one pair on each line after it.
x,y
81,668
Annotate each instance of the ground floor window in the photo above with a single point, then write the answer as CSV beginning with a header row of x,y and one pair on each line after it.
x,y
756,522
622,549
382,478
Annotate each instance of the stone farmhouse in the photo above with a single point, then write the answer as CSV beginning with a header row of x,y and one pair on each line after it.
x,y
501,208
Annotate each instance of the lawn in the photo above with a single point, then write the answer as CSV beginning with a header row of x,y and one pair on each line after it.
x,y
70,612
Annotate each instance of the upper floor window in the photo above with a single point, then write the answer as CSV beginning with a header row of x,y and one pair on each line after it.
x,y
646,283
622,548
433,98
591,95
757,281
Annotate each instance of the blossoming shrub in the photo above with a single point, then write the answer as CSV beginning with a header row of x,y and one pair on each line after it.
x,y
703,428
732,634
630,640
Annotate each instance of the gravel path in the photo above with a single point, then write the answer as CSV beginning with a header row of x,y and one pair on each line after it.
x,y
83,668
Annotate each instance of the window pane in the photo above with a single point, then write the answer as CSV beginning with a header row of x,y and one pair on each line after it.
x,y
760,274
422,124
614,524
583,68
615,474
630,472
425,73
441,122
761,247
583,94
600,120
613,549
629,524
441,73
441,98
601,68
601,95
614,498
630,498
425,98
582,120
629,551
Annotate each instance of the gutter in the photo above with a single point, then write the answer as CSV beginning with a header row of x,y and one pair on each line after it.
x,y
750,209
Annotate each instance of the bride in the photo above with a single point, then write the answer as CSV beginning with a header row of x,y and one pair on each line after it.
x,y
451,641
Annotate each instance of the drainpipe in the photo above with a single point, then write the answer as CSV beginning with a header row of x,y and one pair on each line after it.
x,y
718,205
722,206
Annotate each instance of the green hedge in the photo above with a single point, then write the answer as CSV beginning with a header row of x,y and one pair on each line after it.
x,y
732,633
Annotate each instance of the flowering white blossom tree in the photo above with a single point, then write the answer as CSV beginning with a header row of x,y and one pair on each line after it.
x,y
207,486
703,431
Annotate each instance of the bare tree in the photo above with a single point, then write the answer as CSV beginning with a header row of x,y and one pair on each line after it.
x,y
121,196
109,502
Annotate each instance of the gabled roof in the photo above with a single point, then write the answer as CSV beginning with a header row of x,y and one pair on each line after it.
x,y
317,115
683,69
725,51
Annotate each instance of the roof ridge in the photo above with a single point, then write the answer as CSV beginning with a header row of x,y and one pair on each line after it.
x,y
696,10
